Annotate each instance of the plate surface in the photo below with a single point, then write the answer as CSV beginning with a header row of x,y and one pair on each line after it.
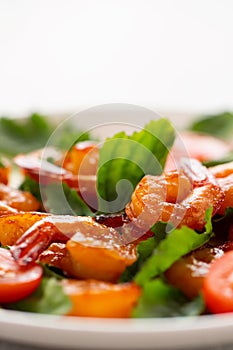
x,y
80,333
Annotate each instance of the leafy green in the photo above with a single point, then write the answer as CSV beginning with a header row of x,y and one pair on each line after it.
x,y
32,186
17,136
220,125
159,299
63,200
144,250
228,158
59,198
49,298
176,244
124,160
22,136
2,163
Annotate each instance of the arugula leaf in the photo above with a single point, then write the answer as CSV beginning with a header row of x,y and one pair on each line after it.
x,y
177,243
63,200
220,125
159,299
49,298
124,160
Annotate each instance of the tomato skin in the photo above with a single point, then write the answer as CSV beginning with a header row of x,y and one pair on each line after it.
x,y
196,145
218,285
17,282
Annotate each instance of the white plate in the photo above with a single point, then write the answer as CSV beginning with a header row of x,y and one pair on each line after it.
x,y
80,333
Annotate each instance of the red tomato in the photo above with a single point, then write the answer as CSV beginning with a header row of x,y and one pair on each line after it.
x,y
17,282
198,146
218,285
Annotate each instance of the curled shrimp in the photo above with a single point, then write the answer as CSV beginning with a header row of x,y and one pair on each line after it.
x,y
95,250
19,200
224,175
181,202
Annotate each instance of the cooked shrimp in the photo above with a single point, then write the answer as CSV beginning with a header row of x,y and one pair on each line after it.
x,y
20,200
152,200
188,273
14,224
6,209
224,175
4,171
222,170
92,298
96,250
226,184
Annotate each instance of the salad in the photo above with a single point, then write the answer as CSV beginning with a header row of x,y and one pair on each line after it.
x,y
137,225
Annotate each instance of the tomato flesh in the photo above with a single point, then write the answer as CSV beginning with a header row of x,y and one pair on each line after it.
x,y
218,285
17,282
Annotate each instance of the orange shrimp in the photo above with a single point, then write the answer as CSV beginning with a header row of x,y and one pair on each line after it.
x,y
96,250
224,175
13,225
20,200
222,170
155,197
226,184
6,209
188,273
5,168
91,298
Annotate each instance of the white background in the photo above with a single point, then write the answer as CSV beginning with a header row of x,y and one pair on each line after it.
x,y
58,56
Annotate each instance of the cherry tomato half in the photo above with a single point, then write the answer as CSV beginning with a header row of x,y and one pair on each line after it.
x,y
218,285
17,282
199,146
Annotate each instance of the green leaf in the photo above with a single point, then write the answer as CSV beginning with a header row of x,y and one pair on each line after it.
x,y
20,136
159,299
2,163
63,200
220,125
124,160
144,250
32,186
177,243
32,133
49,298
228,158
